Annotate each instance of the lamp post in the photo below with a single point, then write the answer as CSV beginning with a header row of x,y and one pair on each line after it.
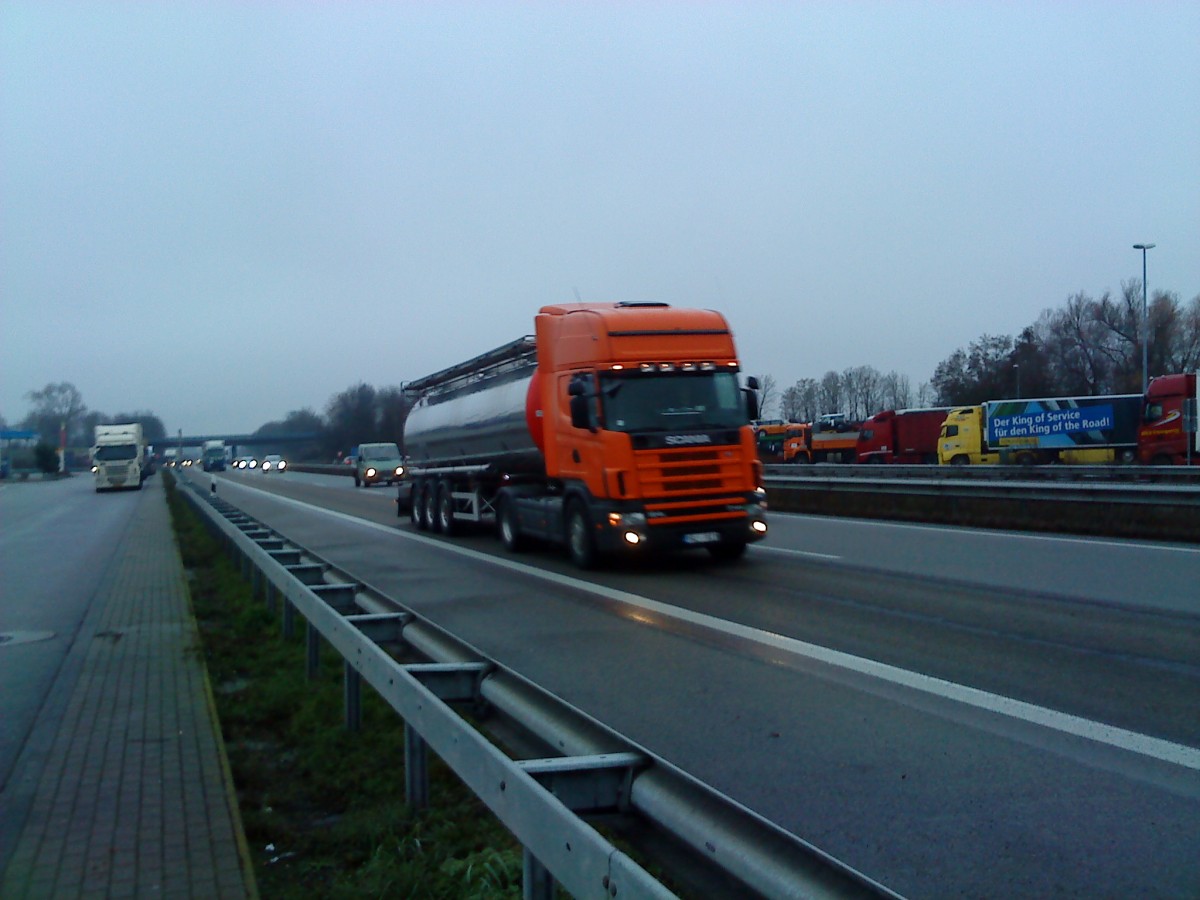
x,y
1017,369
1145,313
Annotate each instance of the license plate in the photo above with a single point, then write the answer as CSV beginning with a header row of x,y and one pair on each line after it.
x,y
702,537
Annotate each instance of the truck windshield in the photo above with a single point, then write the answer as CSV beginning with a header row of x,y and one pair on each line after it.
x,y
668,402
116,452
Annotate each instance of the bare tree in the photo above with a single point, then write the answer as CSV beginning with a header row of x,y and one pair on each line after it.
x,y
829,393
57,406
352,418
1119,340
1174,335
393,408
896,391
800,401
768,395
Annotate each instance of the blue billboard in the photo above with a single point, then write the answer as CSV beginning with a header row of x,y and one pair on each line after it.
x,y
1065,422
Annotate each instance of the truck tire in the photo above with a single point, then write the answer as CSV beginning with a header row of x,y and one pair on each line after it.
x,y
429,507
960,460
445,510
414,507
419,492
508,527
581,544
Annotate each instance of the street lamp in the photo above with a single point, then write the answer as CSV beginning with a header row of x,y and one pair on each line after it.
x,y
1145,312
1017,369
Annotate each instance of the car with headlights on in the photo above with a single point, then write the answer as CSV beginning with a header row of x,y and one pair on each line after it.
x,y
377,464
273,462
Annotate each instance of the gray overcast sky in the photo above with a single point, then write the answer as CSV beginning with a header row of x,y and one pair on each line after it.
x,y
222,212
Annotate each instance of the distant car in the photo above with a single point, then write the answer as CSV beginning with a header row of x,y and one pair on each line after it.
x,y
245,462
273,462
376,464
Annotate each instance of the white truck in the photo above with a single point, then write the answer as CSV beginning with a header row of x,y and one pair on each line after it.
x,y
213,458
119,457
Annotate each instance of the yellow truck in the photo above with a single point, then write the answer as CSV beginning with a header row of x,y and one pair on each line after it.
x,y
1071,430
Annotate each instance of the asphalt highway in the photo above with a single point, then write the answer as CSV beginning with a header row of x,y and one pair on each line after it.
x,y
951,712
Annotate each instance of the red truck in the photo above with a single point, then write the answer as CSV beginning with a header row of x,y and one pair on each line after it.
x,y
901,436
1162,437
617,428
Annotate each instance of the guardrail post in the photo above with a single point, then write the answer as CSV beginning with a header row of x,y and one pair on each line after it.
x,y
313,656
352,691
416,769
272,598
289,619
536,881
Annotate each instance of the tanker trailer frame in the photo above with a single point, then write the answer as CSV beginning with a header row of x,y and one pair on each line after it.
x,y
579,447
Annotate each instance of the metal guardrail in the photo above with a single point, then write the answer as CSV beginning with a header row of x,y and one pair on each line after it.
x,y
1152,511
1126,474
542,800
1177,475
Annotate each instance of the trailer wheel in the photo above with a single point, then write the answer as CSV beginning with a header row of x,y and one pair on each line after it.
x,y
445,509
429,506
414,507
581,544
509,529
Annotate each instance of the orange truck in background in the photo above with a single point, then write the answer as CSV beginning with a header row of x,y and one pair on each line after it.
x,y
779,441
617,428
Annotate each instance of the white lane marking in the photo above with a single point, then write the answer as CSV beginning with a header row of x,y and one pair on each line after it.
x,y
1132,741
788,552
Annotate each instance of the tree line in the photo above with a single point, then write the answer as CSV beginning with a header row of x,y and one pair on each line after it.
x,y
59,408
1088,346
359,414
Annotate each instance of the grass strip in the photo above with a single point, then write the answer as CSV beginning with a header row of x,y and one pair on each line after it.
x,y
324,809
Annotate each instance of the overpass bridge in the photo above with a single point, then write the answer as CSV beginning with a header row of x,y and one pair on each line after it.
x,y
236,441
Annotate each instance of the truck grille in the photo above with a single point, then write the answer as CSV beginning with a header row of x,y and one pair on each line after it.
x,y
692,485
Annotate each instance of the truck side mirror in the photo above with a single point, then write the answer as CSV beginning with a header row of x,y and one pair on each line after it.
x,y
580,411
751,390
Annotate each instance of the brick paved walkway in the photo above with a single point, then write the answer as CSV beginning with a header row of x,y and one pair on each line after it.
x,y
135,799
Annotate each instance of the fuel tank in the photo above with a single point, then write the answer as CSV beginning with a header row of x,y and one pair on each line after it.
x,y
494,422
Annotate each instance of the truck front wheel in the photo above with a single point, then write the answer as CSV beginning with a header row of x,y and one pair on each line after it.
x,y
581,545
509,527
